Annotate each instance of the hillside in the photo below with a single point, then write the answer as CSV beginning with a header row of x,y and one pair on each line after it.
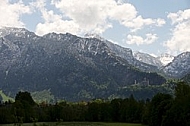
x,y
70,67
179,67
186,78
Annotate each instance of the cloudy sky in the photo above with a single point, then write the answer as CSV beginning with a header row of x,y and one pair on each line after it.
x,y
151,26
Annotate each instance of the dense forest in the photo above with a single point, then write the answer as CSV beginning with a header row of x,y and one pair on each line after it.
x,y
161,110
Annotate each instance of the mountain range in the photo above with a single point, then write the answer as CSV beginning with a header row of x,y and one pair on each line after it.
x,y
78,68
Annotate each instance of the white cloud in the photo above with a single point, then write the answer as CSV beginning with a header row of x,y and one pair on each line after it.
x,y
150,38
180,16
123,13
138,23
60,26
160,22
133,39
11,13
180,40
94,16
53,22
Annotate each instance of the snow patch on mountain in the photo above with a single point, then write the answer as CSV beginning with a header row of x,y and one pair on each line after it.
x,y
148,59
166,58
17,32
179,67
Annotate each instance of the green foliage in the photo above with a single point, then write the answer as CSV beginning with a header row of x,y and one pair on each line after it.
x,y
79,124
162,110
182,90
186,78
145,91
41,96
24,107
178,114
158,107
5,97
25,97
165,110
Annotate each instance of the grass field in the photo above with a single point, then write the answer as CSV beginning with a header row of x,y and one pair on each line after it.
x,y
76,124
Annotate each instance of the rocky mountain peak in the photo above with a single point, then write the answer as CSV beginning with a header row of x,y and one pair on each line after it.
x,y
16,32
93,35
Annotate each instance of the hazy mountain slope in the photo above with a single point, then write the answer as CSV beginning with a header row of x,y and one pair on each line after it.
x,y
127,54
179,67
186,78
70,67
170,66
148,59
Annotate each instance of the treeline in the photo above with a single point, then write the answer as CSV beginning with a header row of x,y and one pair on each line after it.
x,y
161,110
